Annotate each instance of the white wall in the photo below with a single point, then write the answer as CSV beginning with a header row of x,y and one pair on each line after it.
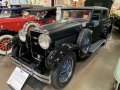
x,y
41,2
19,2
32,2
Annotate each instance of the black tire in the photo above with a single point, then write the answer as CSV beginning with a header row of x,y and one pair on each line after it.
x,y
84,35
116,86
104,42
110,29
119,87
105,33
56,79
15,51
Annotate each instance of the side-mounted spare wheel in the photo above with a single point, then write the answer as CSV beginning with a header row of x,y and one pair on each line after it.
x,y
84,42
61,76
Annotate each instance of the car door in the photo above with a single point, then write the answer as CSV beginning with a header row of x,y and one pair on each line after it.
x,y
95,25
105,22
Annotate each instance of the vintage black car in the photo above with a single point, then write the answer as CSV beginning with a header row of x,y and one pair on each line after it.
x,y
50,52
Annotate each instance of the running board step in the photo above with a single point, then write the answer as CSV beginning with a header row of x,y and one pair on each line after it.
x,y
116,28
96,45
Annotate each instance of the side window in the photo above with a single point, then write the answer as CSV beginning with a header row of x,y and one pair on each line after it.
x,y
75,14
96,15
105,14
96,18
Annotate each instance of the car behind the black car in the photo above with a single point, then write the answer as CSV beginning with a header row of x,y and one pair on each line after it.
x,y
49,53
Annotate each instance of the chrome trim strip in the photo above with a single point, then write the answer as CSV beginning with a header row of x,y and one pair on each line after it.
x,y
40,77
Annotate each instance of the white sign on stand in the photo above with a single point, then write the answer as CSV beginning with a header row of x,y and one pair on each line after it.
x,y
17,79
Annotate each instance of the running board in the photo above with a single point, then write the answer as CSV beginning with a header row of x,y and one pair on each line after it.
x,y
96,45
116,28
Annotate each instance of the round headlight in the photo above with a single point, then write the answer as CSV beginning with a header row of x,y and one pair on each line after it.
x,y
44,41
22,35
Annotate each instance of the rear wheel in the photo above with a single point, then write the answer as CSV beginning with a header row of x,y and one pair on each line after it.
x,y
61,76
4,39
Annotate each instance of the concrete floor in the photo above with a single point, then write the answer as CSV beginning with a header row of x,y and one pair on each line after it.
x,y
95,73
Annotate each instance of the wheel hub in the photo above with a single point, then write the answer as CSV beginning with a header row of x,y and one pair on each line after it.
x,y
3,44
85,44
66,70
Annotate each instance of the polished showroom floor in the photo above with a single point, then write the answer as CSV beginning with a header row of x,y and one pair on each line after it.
x,y
95,73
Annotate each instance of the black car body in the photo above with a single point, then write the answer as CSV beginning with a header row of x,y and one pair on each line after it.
x,y
49,53
116,23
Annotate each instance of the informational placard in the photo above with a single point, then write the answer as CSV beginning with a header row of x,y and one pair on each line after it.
x,y
17,79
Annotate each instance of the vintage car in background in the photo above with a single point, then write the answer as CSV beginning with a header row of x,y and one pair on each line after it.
x,y
12,11
6,16
13,19
50,52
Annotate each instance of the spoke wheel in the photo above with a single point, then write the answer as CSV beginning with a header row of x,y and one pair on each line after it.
x,y
85,44
3,44
4,39
62,74
66,70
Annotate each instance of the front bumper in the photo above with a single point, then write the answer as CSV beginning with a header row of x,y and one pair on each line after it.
x,y
33,73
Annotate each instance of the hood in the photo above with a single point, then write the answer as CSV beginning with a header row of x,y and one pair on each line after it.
x,y
63,24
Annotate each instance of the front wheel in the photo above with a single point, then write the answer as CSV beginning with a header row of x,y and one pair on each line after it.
x,y
4,39
61,76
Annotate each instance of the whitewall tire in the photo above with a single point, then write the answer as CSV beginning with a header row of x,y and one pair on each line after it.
x,y
4,39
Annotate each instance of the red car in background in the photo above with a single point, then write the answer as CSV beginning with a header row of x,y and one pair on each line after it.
x,y
11,23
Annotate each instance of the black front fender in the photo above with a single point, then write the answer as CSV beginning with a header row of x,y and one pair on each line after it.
x,y
13,41
55,57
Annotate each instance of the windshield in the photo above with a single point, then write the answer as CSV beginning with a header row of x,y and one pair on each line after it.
x,y
74,14
37,14
5,13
